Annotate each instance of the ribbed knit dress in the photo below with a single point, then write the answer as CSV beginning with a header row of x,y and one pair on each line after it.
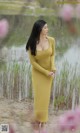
x,y
42,64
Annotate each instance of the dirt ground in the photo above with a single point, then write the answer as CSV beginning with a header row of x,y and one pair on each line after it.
x,y
18,114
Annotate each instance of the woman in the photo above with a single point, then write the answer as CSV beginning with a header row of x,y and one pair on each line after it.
x,y
41,50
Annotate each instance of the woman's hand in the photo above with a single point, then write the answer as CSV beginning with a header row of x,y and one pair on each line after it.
x,y
52,74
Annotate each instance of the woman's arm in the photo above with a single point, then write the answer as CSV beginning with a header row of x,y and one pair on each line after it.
x,y
37,66
53,67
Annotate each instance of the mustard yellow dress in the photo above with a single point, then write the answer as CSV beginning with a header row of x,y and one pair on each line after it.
x,y
42,64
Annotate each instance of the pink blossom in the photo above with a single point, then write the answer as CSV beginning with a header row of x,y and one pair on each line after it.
x,y
68,121
4,28
62,123
77,112
11,129
66,12
71,120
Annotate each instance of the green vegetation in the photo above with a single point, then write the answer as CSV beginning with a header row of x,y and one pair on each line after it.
x,y
67,80
27,8
17,81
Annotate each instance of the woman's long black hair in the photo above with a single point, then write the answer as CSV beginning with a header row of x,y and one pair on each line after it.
x,y
35,36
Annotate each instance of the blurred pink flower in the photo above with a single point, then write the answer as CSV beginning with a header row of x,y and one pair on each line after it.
x,y
66,12
71,120
11,129
68,121
77,111
62,123
4,28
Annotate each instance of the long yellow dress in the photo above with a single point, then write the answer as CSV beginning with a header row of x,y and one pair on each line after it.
x,y
42,64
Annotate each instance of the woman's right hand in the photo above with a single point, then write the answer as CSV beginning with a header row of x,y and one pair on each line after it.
x,y
52,74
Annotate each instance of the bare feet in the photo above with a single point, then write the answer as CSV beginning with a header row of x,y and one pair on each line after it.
x,y
43,128
37,126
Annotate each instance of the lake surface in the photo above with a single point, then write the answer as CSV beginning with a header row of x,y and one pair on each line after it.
x,y
19,54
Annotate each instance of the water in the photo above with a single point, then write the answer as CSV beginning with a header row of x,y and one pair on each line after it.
x,y
72,56
16,84
13,53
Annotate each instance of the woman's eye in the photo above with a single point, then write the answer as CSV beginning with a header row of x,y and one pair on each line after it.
x,y
45,27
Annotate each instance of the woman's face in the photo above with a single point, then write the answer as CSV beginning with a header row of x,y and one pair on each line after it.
x,y
45,30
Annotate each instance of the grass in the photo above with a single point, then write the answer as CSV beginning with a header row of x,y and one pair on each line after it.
x,y
29,8
14,80
44,11
17,84
66,81
13,9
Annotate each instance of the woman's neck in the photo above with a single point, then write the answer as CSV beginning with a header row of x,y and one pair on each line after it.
x,y
43,37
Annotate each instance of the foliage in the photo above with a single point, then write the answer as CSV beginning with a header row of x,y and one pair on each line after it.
x,y
67,80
